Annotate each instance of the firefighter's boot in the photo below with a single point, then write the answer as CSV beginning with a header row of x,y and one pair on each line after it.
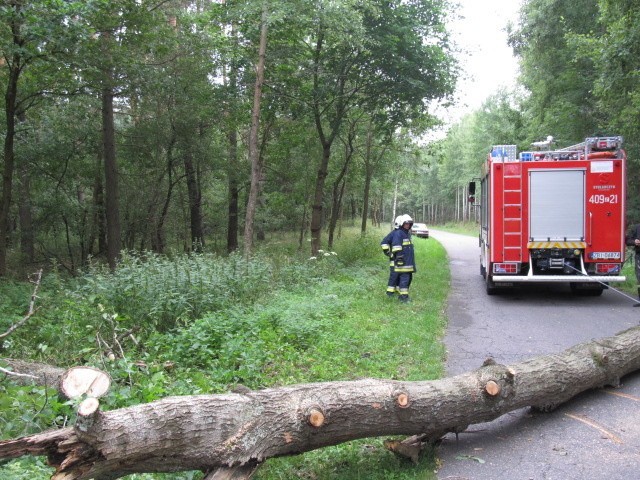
x,y
637,304
404,298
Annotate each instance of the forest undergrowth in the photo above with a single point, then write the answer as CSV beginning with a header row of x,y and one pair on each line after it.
x,y
205,324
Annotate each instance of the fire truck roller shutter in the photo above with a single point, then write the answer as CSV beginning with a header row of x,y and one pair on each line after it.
x,y
556,205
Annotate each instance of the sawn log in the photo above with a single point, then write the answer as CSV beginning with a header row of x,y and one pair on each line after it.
x,y
210,432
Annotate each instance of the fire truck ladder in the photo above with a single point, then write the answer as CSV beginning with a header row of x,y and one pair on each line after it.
x,y
512,212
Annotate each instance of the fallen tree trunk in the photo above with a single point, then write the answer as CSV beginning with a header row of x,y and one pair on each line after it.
x,y
27,373
212,432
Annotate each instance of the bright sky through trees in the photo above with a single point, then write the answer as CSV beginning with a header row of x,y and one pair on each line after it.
x,y
486,58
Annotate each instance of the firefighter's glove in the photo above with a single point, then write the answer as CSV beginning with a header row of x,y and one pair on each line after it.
x,y
387,253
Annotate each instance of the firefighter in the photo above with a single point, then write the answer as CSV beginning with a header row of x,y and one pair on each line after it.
x,y
392,284
403,258
633,240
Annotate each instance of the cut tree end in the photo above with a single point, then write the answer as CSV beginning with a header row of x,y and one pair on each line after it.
x,y
78,381
492,388
402,400
315,417
88,407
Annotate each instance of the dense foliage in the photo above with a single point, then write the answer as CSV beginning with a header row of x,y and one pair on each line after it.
x,y
346,88
168,327
130,125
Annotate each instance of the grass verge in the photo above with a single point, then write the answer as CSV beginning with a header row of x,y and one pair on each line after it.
x,y
375,337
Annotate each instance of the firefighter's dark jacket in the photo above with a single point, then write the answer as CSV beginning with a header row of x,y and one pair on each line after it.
x,y
402,251
386,246
632,234
386,243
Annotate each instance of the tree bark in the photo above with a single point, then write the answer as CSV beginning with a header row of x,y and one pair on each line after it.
x,y
210,432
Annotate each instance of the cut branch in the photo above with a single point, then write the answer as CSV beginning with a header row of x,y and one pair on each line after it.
x,y
216,433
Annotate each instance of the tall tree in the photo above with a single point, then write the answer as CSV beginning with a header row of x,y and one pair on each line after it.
x,y
254,151
15,60
33,35
392,57
233,175
372,158
340,181
112,204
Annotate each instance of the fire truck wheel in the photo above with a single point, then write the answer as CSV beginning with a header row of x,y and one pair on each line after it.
x,y
586,291
491,286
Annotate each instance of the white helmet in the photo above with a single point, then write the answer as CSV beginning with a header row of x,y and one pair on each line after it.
x,y
406,219
398,221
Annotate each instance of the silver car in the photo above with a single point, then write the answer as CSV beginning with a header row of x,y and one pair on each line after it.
x,y
420,230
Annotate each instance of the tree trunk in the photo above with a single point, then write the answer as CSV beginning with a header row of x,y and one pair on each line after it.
x,y
11,110
318,199
336,210
368,172
338,186
233,187
25,213
254,151
111,179
195,202
98,228
158,241
234,191
208,432
326,140
33,372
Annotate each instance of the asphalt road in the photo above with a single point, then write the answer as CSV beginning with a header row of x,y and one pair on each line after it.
x,y
596,435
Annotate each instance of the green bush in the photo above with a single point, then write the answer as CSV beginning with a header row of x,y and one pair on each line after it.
x,y
164,292
29,409
15,300
360,250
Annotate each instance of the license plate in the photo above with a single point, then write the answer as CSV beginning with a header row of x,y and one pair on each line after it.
x,y
605,255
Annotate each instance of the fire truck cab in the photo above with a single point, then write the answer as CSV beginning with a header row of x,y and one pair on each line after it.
x,y
555,215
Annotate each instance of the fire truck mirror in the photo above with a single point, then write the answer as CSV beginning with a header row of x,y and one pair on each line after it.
x,y
472,189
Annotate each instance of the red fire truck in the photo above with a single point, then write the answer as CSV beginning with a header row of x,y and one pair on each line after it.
x,y
553,215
